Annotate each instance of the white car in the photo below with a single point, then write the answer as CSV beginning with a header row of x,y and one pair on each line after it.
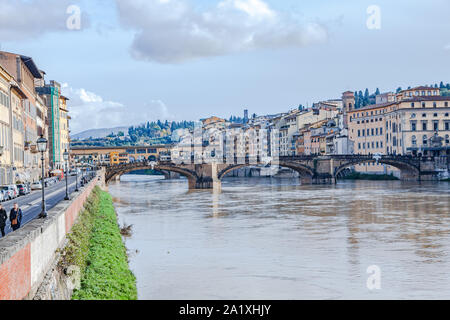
x,y
10,192
36,186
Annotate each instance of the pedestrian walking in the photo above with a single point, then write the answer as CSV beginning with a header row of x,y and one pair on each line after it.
x,y
3,218
15,217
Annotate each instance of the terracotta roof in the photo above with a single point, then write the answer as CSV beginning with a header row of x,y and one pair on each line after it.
x,y
420,88
426,98
374,106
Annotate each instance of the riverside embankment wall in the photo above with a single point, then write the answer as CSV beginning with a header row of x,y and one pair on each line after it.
x,y
27,255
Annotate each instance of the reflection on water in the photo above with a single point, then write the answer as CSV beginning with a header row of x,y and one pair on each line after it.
x,y
275,239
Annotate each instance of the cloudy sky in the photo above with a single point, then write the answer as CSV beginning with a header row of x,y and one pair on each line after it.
x,y
138,60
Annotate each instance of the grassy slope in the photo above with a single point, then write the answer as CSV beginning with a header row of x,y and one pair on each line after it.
x,y
96,246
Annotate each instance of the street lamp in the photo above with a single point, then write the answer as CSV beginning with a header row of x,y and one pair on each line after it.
x,y
66,159
82,174
76,178
42,147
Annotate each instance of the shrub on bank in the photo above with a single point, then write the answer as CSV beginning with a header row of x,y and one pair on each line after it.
x,y
96,246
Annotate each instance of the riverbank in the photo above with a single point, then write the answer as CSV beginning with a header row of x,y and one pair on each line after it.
x,y
95,246
366,176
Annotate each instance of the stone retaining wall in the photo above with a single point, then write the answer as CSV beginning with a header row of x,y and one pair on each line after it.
x,y
27,255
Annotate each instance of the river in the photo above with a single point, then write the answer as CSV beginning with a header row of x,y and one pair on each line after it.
x,y
267,238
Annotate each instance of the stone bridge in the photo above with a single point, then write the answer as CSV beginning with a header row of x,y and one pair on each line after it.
x,y
311,169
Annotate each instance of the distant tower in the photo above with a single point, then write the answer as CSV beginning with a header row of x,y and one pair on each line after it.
x,y
348,101
245,116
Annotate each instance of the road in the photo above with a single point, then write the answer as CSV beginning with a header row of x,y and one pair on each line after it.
x,y
31,204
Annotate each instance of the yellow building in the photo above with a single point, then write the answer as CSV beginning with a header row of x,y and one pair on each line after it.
x,y
403,127
64,125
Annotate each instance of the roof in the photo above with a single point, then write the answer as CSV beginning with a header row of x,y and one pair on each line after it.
x,y
426,98
420,88
374,106
28,61
19,91
120,147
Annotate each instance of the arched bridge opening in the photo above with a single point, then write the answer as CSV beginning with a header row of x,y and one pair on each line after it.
x,y
408,171
306,173
115,172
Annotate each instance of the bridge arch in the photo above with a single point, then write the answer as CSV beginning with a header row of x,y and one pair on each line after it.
x,y
306,173
408,171
118,171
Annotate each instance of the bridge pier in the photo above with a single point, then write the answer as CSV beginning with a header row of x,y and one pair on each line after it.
x,y
323,179
304,180
170,175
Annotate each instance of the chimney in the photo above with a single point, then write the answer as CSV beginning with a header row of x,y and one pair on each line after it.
x,y
19,69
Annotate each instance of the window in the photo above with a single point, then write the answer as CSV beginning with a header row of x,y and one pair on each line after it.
x,y
413,140
359,145
435,115
424,140
447,139
381,144
413,115
413,126
435,125
394,141
434,105
423,104
412,104
446,103
424,126
424,115
447,126
381,131
373,132
376,131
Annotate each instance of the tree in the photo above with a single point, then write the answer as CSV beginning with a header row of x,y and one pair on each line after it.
x,y
377,92
399,89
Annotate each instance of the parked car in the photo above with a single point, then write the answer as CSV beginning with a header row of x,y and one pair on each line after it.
x,y
2,195
36,185
10,192
23,189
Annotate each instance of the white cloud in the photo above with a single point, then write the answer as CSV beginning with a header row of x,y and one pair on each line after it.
x,y
172,31
27,19
90,111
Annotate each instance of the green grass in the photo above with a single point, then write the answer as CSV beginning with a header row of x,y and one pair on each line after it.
x,y
366,176
96,246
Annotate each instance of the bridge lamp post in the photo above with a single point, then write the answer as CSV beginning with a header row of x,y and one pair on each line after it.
x,y
66,159
42,147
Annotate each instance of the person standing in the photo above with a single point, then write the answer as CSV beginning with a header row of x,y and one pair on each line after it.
x,y
3,218
15,217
